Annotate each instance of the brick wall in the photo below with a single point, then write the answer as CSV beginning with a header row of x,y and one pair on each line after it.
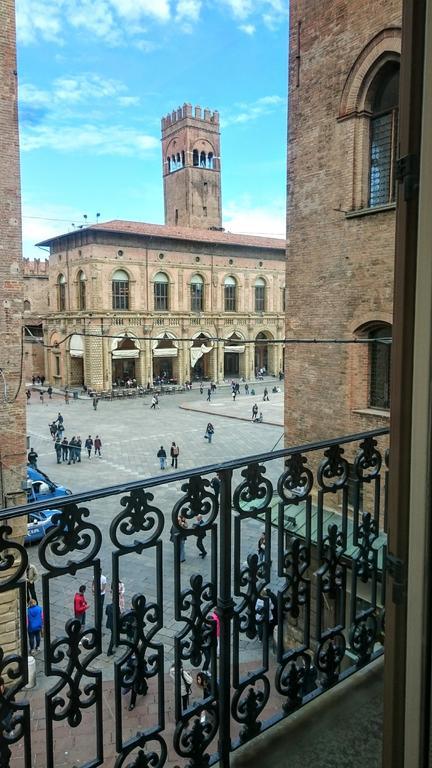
x,y
339,269
12,397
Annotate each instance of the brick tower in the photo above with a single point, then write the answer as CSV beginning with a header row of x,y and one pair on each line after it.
x,y
12,386
191,168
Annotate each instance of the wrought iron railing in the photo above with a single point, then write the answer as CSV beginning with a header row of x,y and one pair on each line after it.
x,y
317,581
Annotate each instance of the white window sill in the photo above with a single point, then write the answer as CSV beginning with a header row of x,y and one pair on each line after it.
x,y
373,412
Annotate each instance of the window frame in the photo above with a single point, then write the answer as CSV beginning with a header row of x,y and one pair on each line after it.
x,y
120,290
379,368
161,296
260,295
197,294
230,295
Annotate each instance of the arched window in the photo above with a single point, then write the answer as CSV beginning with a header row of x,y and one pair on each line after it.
x,y
27,306
210,160
81,286
260,296
383,103
169,164
120,289
230,298
380,357
161,292
203,159
178,160
61,293
195,158
197,294
183,159
173,163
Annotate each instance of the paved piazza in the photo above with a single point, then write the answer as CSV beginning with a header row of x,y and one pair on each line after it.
x,y
131,434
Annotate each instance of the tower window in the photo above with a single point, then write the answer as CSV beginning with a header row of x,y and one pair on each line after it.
x,y
183,159
203,159
169,164
195,158
210,160
176,215
161,289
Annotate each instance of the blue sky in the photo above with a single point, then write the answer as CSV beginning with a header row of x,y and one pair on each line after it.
x,y
96,76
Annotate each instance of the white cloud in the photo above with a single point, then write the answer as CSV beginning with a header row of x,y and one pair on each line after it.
x,y
248,29
268,221
188,10
99,140
159,9
245,112
129,101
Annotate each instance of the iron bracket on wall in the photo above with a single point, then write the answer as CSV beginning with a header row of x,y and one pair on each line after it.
x,y
397,571
407,171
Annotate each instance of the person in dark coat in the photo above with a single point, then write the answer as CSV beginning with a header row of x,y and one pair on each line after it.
x,y
65,449
137,668
72,450
89,445
174,453
97,446
200,534
254,411
58,449
32,458
50,391
161,455
78,444
109,611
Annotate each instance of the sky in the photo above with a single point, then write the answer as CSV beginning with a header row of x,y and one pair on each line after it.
x,y
95,78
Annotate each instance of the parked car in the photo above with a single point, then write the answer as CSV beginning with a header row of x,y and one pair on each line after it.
x,y
41,488
38,524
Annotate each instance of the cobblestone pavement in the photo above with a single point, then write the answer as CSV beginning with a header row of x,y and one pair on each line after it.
x,y
131,434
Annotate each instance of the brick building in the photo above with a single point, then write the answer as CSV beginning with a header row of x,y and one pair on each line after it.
x,y
35,287
343,123
130,300
12,408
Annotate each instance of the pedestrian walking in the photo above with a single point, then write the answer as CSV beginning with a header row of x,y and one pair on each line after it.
x,y
72,450
65,448
32,576
261,547
203,681
32,457
154,402
34,626
42,380
50,391
89,445
246,388
161,455
78,445
209,392
33,380
174,452
97,446
209,432
59,419
80,605
234,395
28,395
121,596
254,411
109,612
101,591
53,430
200,534
201,389
135,679
95,402
265,395
58,449
41,396
185,684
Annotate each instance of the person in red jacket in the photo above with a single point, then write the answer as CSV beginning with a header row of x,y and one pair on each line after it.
x,y
80,604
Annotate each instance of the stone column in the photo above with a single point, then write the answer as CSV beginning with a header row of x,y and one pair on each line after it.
x,y
94,360
220,361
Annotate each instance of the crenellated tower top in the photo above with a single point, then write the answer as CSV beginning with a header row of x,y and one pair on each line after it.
x,y
191,167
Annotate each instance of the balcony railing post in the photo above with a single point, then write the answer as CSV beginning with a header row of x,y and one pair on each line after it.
x,y
225,605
